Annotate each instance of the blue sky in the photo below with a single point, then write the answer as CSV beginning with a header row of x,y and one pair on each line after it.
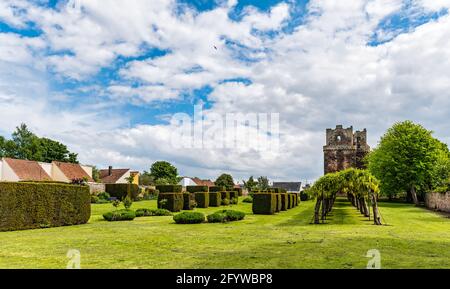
x,y
317,63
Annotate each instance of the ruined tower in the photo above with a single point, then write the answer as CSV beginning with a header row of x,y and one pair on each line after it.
x,y
344,149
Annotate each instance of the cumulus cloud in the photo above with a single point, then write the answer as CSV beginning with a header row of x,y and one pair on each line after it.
x,y
322,72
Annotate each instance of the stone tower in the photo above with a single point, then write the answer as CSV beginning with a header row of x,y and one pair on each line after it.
x,y
344,149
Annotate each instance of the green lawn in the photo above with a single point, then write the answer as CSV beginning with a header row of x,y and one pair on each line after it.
x,y
414,238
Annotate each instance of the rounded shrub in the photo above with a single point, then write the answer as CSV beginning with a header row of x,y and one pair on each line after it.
x,y
225,202
152,212
226,216
120,215
189,218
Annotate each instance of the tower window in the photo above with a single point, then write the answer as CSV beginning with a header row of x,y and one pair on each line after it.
x,y
339,138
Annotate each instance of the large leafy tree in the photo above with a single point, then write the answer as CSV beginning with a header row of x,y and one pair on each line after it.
x,y
24,144
164,173
405,159
225,180
263,183
250,184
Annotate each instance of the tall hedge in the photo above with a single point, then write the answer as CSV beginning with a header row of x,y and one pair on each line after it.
x,y
284,202
188,201
217,189
29,205
234,196
202,199
239,191
197,189
264,203
215,199
174,201
120,191
169,188
278,203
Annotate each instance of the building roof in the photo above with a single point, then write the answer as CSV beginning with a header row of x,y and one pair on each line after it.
x,y
28,170
73,171
288,186
200,182
116,174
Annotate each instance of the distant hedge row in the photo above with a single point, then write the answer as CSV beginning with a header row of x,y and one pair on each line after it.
x,y
28,205
271,202
120,191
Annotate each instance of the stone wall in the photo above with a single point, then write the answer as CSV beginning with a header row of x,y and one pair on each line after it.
x,y
437,201
95,188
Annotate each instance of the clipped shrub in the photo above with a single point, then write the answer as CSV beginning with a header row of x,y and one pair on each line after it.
x,y
202,199
104,196
120,215
189,218
264,203
239,191
28,205
215,199
120,191
94,199
169,188
304,196
216,189
225,196
197,189
284,202
278,202
152,212
170,201
189,201
248,200
225,202
225,216
234,197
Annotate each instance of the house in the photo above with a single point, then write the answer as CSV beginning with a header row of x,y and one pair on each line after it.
x,y
15,170
290,187
118,176
188,181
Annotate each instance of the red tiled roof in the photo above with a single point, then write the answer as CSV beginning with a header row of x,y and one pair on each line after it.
x,y
200,182
73,171
28,170
114,177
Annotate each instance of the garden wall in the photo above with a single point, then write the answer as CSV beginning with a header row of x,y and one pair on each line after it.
x,y
96,188
438,201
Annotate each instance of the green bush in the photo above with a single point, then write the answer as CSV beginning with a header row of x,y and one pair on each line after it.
x,y
215,199
264,203
169,188
120,215
120,191
234,197
284,202
225,202
104,196
304,196
202,199
189,201
189,218
239,191
94,199
225,216
225,196
36,205
197,189
216,189
248,200
170,201
152,212
278,202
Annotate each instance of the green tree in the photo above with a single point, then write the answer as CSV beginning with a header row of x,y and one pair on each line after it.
x,y
146,179
263,183
251,184
163,171
27,144
95,174
405,159
225,180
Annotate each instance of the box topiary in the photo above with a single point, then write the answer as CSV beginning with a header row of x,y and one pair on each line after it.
x,y
239,191
169,188
189,201
264,203
28,205
217,189
120,215
189,218
120,191
234,197
225,216
284,202
202,199
215,199
225,196
170,201
152,212
197,189
278,203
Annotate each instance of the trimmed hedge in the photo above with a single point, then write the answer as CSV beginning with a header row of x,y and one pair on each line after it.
x,y
169,188
304,196
120,215
248,200
284,202
41,205
188,201
152,212
225,196
278,207
215,199
234,197
216,189
202,199
239,191
279,191
189,218
290,201
225,216
174,201
264,203
120,191
197,189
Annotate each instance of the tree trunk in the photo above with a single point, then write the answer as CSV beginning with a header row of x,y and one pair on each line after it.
x,y
361,206
376,216
316,211
365,208
414,196
324,208
357,203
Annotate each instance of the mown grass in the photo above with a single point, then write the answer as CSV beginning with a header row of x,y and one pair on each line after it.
x,y
413,238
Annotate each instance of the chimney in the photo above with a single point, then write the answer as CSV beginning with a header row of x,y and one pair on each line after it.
x,y
110,171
